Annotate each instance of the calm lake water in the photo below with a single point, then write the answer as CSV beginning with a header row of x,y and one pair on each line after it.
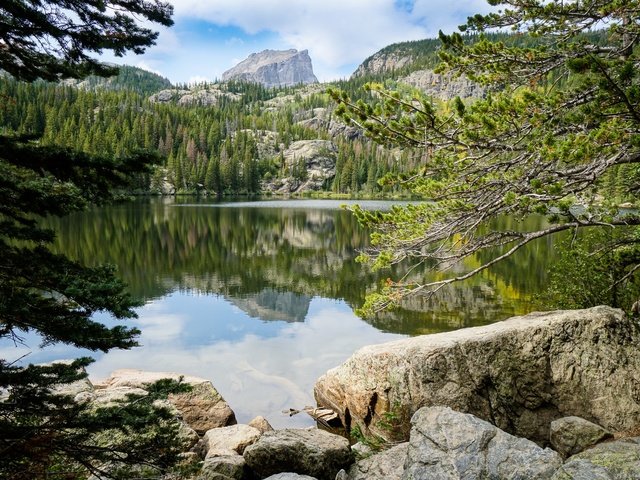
x,y
258,296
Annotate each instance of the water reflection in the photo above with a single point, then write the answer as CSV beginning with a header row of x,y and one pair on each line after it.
x,y
258,297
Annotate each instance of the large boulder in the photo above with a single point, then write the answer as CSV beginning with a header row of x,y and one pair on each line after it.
x,y
235,438
618,460
310,452
224,467
448,445
571,435
519,374
202,408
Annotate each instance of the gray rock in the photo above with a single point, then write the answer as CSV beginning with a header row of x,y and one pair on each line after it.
x,y
386,465
571,435
289,476
450,445
618,460
310,452
261,424
274,68
202,408
316,157
520,374
383,62
235,438
224,467
445,86
361,450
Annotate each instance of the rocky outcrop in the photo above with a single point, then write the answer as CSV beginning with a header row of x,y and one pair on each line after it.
x,y
519,374
274,68
202,408
207,95
618,460
310,164
572,435
386,465
231,439
311,452
444,87
383,62
449,445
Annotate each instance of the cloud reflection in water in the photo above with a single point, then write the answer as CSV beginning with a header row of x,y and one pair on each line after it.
x,y
260,367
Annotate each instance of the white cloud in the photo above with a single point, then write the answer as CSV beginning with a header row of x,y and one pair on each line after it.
x,y
255,374
198,79
336,32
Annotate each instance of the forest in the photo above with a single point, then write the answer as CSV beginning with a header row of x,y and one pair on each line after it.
x,y
215,149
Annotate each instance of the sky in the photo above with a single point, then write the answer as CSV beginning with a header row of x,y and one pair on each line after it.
x,y
211,36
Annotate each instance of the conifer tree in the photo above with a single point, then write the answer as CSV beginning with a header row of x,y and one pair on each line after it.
x,y
45,434
563,110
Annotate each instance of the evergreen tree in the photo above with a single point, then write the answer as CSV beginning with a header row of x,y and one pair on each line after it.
x,y
563,110
45,434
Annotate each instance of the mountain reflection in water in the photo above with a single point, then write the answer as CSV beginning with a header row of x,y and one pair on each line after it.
x,y
258,297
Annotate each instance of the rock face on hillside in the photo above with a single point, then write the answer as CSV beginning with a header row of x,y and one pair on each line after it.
x,y
520,374
209,95
274,68
310,164
444,87
383,62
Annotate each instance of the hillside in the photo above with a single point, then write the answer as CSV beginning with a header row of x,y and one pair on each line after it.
x,y
129,78
231,137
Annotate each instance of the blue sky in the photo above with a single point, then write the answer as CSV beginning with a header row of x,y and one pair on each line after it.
x,y
211,36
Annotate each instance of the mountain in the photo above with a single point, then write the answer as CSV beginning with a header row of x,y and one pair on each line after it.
x,y
274,68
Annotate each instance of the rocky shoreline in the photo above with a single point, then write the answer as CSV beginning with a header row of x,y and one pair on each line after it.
x,y
545,396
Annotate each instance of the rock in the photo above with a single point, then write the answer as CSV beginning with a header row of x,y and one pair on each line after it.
x,y
446,445
261,424
274,68
317,159
187,436
444,87
520,374
361,450
289,476
112,396
235,438
571,435
206,95
618,460
386,465
311,452
224,467
383,62
203,408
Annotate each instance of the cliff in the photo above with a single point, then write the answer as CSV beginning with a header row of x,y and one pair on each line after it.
x,y
274,68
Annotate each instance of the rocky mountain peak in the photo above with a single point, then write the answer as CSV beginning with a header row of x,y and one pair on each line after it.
x,y
274,68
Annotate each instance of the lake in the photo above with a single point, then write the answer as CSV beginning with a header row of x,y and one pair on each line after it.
x,y
259,296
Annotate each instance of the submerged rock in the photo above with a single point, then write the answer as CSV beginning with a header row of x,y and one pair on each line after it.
x,y
519,374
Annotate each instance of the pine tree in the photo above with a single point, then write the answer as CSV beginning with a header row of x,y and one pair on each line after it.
x,y
43,432
563,111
